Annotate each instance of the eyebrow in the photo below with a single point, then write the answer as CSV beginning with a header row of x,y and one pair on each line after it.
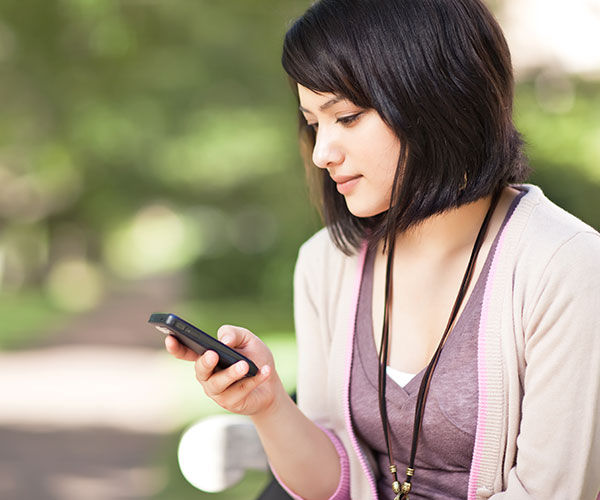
x,y
324,106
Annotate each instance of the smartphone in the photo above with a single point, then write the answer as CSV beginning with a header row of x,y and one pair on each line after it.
x,y
199,341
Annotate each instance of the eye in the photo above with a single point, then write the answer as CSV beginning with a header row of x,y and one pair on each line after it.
x,y
350,119
311,125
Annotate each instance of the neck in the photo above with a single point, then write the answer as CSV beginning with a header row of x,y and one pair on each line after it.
x,y
444,235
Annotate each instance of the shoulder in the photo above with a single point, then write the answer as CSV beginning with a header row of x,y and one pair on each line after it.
x,y
551,257
543,233
325,277
318,244
320,254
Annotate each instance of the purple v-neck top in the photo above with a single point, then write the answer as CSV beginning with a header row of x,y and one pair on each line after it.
x,y
447,435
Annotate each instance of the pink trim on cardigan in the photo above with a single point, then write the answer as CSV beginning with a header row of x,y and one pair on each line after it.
x,y
482,377
343,489
349,351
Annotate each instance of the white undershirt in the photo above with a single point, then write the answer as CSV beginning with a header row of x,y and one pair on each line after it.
x,y
401,378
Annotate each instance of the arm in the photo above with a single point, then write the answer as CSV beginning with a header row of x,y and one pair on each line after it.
x,y
316,302
299,451
558,446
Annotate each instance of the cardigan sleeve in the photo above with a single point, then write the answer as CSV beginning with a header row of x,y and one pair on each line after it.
x,y
313,343
558,446
343,490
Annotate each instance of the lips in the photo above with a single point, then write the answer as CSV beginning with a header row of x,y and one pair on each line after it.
x,y
346,183
341,179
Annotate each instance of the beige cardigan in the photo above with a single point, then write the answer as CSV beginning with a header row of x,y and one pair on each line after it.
x,y
538,427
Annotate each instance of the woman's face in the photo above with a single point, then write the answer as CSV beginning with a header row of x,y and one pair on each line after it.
x,y
358,149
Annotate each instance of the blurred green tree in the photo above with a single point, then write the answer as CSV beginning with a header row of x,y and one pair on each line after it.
x,y
141,137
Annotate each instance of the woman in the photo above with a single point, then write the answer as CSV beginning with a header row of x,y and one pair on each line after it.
x,y
447,318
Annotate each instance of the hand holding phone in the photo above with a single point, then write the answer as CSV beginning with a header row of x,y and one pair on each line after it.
x,y
198,340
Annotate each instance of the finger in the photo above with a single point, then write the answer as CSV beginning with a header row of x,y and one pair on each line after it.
x,y
220,381
178,350
205,367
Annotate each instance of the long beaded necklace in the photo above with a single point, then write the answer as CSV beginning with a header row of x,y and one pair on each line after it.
x,y
402,490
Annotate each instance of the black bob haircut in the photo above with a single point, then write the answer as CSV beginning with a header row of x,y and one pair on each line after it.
x,y
439,74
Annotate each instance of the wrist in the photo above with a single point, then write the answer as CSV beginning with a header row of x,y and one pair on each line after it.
x,y
281,400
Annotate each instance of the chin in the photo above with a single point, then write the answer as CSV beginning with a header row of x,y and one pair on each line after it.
x,y
363,211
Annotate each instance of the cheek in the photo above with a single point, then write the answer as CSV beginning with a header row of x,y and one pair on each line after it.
x,y
382,180
386,170
379,154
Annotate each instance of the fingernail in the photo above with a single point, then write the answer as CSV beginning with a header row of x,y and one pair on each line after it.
x,y
226,339
241,367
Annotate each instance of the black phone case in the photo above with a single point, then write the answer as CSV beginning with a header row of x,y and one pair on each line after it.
x,y
199,341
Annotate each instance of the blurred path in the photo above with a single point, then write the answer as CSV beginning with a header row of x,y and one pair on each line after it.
x,y
86,414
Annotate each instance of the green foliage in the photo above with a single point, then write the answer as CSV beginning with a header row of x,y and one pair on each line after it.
x,y
562,130
141,137
25,318
121,110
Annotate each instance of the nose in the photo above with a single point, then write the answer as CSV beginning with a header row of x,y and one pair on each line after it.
x,y
328,151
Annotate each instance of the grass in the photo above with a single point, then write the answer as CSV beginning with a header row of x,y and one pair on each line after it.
x,y
26,317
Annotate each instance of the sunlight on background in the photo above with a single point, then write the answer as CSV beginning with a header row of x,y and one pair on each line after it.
x,y
148,162
75,285
553,34
156,239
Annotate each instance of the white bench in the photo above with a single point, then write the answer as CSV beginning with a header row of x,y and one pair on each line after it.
x,y
215,452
